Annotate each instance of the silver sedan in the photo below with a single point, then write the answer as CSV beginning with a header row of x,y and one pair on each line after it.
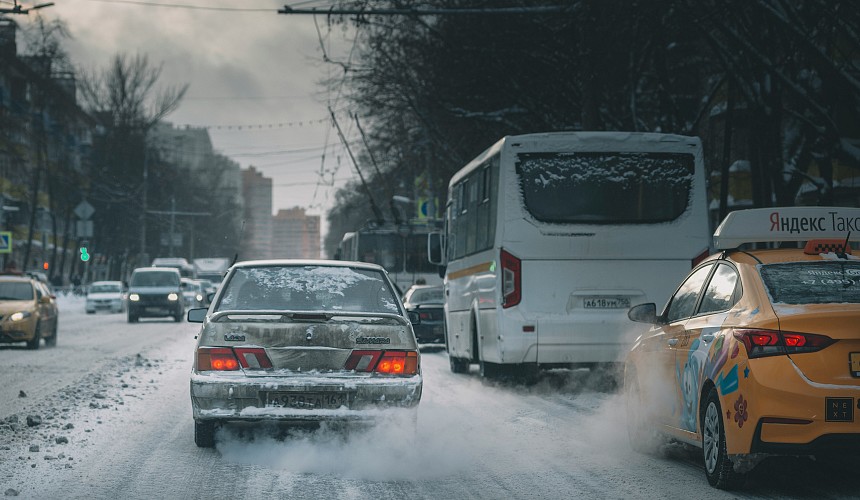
x,y
303,341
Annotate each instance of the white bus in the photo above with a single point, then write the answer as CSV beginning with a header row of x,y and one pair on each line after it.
x,y
550,238
400,249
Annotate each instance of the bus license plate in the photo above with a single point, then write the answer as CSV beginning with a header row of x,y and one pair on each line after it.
x,y
854,360
606,303
307,400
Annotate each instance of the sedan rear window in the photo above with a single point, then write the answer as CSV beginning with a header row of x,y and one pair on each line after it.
x,y
830,282
308,288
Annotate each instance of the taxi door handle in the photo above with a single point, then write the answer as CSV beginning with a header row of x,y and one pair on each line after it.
x,y
672,342
707,337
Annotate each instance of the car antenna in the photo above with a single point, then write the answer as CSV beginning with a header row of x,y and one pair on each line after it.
x,y
241,237
844,253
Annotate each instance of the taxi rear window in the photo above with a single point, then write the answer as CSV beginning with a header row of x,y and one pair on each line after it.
x,y
832,282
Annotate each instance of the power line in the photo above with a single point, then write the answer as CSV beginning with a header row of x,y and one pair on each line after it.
x,y
182,6
549,9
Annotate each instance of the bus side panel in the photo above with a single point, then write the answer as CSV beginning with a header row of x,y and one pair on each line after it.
x,y
470,286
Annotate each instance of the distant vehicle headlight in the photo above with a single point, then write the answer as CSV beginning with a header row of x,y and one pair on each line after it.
x,y
133,297
199,298
172,296
18,316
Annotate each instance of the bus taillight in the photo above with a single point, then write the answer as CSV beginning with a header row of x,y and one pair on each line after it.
x,y
512,280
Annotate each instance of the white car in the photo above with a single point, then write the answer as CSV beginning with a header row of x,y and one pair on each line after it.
x,y
106,296
193,293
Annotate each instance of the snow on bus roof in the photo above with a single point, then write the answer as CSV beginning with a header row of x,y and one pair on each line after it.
x,y
760,225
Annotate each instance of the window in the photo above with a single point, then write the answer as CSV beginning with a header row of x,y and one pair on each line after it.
x,y
473,215
830,282
683,303
606,187
720,294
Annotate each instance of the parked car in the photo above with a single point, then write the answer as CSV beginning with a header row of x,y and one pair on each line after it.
x,y
155,292
303,341
105,296
193,293
28,310
757,353
428,302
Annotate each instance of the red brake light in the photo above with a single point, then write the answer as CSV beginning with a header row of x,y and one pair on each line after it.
x,y
701,257
424,315
512,292
388,362
216,358
760,343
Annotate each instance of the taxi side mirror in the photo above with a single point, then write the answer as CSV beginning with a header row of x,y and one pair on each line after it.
x,y
643,313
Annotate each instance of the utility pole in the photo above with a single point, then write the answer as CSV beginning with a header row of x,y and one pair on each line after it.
x,y
376,212
173,213
143,257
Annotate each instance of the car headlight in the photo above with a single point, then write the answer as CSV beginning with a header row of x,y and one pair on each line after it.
x,y
21,315
199,298
172,296
133,297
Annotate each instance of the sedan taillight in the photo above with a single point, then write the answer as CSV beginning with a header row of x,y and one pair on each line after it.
x,y
760,343
232,358
387,362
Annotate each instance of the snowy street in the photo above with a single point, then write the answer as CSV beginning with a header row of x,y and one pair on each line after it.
x,y
106,414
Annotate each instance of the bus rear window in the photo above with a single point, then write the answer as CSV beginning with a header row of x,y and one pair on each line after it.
x,y
605,187
829,282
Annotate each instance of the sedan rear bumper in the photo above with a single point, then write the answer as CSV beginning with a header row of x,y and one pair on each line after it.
x,y
237,398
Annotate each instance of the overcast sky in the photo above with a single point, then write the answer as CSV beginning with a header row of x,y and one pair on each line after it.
x,y
255,78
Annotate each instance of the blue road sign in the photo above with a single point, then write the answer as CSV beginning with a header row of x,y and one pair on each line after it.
x,y
5,241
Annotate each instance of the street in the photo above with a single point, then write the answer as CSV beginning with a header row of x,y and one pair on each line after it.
x,y
115,422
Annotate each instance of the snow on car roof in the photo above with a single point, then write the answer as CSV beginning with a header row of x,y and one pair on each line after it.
x,y
761,225
307,262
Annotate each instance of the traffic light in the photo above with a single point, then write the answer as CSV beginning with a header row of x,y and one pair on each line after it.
x,y
85,256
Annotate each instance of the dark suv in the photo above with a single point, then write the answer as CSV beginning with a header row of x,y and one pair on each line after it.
x,y
155,292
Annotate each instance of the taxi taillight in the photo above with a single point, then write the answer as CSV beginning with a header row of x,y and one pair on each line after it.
x,y
387,362
231,358
760,343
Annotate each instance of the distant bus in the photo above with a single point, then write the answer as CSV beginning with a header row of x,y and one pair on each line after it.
x,y
179,263
400,249
550,238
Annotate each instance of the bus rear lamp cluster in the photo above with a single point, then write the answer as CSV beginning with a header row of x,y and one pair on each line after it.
x,y
760,343
387,362
512,279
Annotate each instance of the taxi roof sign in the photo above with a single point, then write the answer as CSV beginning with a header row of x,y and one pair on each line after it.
x,y
761,225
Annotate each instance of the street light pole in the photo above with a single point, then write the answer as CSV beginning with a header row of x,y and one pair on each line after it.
x,y
143,256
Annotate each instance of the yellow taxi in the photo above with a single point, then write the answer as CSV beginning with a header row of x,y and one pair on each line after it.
x,y
757,353
28,312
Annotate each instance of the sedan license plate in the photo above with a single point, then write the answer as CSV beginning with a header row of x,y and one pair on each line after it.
x,y
606,302
307,400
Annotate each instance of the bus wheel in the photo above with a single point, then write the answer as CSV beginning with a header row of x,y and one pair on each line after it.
x,y
458,365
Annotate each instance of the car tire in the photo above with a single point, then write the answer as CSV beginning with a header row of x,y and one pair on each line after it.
x,y
641,428
718,467
177,318
33,344
204,434
132,318
52,340
458,365
91,312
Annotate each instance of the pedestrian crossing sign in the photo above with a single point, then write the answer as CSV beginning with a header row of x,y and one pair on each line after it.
x,y
5,241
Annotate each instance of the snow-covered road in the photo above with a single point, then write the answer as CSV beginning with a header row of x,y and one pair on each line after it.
x,y
116,423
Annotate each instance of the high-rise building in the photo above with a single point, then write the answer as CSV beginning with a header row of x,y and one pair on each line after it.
x,y
257,230
296,235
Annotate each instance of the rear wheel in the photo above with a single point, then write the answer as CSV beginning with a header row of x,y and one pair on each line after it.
x,y
37,336
458,365
718,468
204,434
52,340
